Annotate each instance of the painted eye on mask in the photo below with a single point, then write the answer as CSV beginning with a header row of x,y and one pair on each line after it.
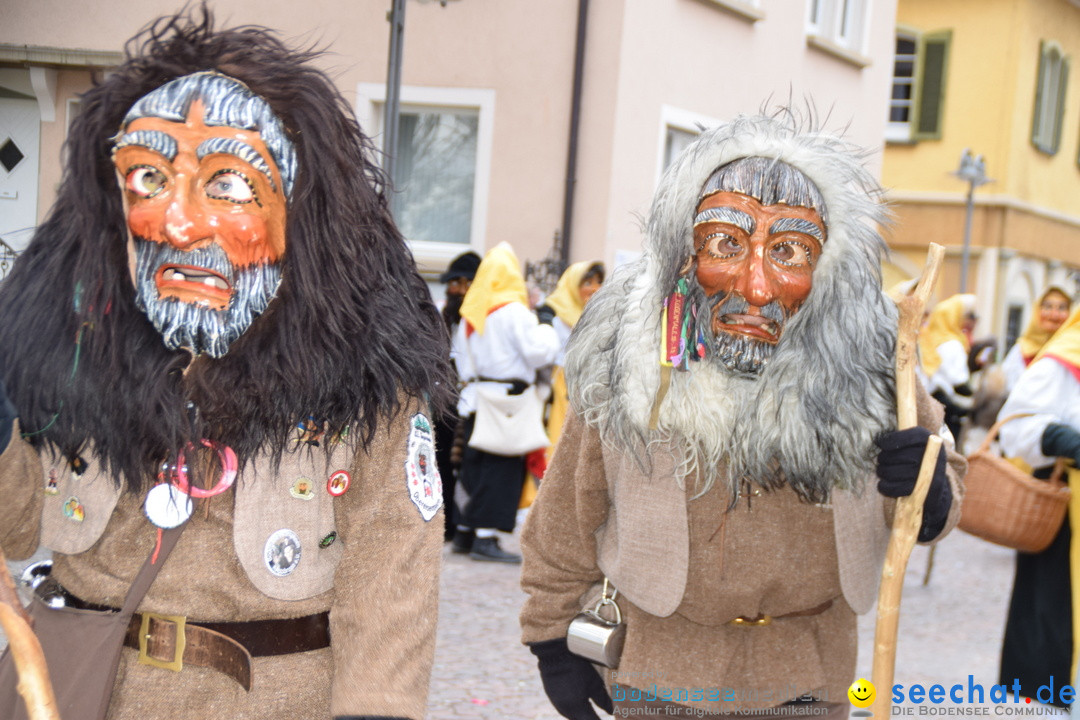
x,y
145,181
793,254
232,186
721,245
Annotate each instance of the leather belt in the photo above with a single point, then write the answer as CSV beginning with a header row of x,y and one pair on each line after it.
x,y
171,641
762,620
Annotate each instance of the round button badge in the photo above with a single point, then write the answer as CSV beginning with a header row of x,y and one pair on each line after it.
x,y
338,483
168,506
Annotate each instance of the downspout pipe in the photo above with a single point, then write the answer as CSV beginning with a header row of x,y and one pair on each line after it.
x,y
392,109
575,123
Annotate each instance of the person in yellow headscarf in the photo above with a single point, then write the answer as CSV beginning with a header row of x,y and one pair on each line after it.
x,y
1041,636
561,309
944,344
499,343
1050,314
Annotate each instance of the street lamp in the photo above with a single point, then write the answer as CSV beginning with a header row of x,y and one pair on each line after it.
x,y
973,171
396,17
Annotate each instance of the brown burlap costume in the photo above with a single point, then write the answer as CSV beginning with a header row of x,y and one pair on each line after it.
x,y
770,555
220,277
383,632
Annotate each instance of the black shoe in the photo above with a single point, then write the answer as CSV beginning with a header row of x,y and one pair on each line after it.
x,y
488,550
462,542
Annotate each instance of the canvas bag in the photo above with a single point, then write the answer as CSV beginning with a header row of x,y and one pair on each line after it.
x,y
82,649
509,425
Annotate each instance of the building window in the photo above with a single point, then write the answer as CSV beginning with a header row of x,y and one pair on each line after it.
x,y
442,165
678,128
917,101
1013,317
1049,97
675,141
842,22
435,174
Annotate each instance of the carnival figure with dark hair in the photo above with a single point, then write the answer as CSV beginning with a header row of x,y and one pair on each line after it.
x,y
732,399
219,283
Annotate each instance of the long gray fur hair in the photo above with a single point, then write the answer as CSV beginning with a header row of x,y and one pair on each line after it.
x,y
809,418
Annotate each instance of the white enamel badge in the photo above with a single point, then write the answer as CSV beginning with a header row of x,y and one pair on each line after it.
x,y
421,474
282,552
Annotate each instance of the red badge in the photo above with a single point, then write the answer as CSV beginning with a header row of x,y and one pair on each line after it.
x,y
338,483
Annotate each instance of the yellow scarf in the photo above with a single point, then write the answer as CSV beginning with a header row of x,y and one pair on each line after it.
x,y
1034,336
1064,345
566,299
942,326
498,282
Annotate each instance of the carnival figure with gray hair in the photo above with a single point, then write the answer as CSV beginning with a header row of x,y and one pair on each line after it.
x,y
218,340
731,459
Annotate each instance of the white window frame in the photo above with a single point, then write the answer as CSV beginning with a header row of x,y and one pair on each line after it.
x,y
839,26
746,9
678,119
369,111
903,131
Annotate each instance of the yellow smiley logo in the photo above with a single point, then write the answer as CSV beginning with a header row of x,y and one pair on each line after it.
x,y
861,693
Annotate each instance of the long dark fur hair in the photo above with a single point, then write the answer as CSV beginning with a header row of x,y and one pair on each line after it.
x,y
352,332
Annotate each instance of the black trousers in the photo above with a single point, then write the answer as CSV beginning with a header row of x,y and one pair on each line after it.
x,y
493,483
445,428
1038,632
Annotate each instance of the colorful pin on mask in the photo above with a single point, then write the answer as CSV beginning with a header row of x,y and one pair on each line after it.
x,y
302,489
338,483
52,482
74,510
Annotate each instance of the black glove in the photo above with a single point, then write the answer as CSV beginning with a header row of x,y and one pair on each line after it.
x,y
982,353
1061,441
963,390
7,417
898,469
545,314
570,681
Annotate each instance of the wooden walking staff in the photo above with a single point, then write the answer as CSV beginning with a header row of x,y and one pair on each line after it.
x,y
908,515
34,684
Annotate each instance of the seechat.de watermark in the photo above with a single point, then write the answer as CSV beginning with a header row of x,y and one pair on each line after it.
x,y
966,698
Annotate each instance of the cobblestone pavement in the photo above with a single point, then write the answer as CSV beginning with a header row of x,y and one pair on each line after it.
x,y
949,629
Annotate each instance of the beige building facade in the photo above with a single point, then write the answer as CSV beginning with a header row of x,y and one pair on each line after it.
x,y
486,93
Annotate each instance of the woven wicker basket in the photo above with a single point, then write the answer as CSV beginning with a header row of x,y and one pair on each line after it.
x,y
1006,506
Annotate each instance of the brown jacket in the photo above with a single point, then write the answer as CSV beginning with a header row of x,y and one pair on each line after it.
x,y
685,567
382,590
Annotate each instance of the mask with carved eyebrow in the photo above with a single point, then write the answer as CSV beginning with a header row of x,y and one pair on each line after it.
x,y
758,234
206,208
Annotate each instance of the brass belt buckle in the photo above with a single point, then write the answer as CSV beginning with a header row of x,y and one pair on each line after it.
x,y
759,621
177,663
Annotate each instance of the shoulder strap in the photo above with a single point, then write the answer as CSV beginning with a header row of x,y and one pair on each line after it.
x,y
167,540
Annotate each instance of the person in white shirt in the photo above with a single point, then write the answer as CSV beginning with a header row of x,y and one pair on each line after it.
x,y
499,342
1040,639
944,345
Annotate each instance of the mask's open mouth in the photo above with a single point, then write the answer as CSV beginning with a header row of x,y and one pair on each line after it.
x,y
191,284
755,326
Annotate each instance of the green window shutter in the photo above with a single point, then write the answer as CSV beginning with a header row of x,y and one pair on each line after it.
x,y
1036,115
934,60
1059,120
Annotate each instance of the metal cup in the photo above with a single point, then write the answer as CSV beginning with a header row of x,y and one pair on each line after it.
x,y
594,637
